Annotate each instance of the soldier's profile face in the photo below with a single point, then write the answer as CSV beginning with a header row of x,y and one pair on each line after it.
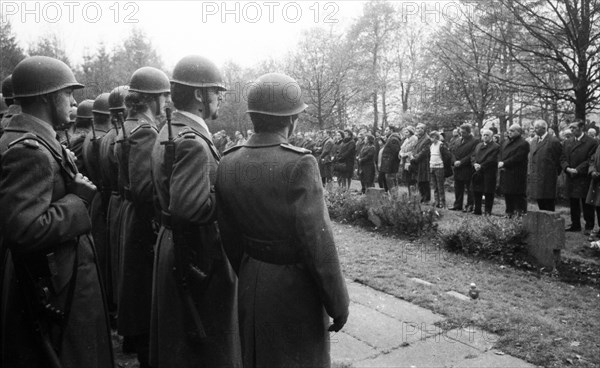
x,y
63,101
214,103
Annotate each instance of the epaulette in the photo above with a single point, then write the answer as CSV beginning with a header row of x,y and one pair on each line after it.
x,y
29,140
145,125
231,149
290,147
190,133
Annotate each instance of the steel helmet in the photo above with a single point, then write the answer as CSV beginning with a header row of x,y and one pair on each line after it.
x,y
149,80
84,109
40,75
100,105
7,87
275,94
116,99
3,105
197,71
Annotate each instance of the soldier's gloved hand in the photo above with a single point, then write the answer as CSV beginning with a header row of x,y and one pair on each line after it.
x,y
83,188
338,323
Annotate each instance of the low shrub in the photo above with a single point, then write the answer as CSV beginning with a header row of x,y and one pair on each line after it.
x,y
404,213
486,237
343,205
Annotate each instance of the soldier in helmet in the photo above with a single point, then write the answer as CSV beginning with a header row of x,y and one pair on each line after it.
x,y
81,128
149,94
56,315
277,234
109,171
13,108
91,160
200,296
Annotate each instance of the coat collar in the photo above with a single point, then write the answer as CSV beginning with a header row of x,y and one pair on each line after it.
x,y
193,121
43,130
265,140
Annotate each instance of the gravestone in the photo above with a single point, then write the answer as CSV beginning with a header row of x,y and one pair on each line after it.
x,y
374,199
546,236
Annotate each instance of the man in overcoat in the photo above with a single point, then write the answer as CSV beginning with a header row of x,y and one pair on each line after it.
x,y
513,171
188,243
55,315
578,151
90,151
109,170
390,162
544,166
149,91
278,236
326,159
421,162
463,168
485,164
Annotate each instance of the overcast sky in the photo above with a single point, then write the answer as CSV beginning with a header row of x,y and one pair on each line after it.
x,y
242,31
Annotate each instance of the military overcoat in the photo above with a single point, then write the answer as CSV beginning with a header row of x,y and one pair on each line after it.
x,y
278,236
109,170
137,234
48,229
187,195
97,209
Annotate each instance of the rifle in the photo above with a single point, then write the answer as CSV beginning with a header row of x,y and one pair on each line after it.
x,y
37,308
124,158
185,271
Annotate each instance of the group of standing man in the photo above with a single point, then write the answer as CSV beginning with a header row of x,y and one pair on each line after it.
x,y
529,170
201,263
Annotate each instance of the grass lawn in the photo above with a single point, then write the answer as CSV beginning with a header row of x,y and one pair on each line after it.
x,y
538,317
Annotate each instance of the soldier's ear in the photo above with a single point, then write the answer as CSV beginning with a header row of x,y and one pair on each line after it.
x,y
198,95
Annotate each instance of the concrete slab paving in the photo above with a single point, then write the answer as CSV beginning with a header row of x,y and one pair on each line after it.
x,y
347,349
378,330
384,331
390,305
431,352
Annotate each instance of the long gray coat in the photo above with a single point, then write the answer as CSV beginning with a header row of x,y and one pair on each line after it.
x,y
577,155
292,283
513,175
593,195
188,195
421,158
544,168
48,228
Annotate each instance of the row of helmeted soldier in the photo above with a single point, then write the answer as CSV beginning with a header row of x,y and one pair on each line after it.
x,y
120,214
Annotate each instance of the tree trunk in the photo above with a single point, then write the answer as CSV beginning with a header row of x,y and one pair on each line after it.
x,y
375,112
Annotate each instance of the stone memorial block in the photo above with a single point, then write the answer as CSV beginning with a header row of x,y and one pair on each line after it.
x,y
546,236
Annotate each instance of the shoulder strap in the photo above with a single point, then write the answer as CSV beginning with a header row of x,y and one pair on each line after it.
x,y
191,133
294,148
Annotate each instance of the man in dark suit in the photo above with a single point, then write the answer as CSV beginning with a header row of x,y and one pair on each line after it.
x,y
463,169
485,163
544,166
575,163
389,158
421,162
513,171
326,158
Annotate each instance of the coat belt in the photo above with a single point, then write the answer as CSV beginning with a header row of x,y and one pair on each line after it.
x,y
279,252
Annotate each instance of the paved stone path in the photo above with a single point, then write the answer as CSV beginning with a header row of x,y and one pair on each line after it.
x,y
384,331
